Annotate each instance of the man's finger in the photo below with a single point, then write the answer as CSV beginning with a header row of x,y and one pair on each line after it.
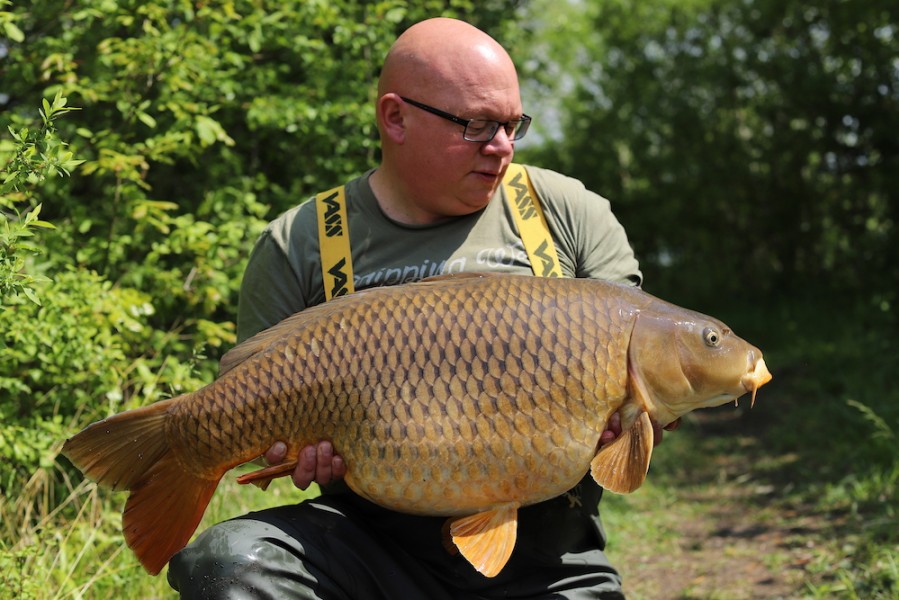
x,y
275,455
338,467
305,471
614,424
658,433
324,456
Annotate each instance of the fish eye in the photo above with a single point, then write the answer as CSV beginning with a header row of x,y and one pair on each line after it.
x,y
711,336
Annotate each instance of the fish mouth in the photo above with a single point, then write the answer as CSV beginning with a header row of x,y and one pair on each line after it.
x,y
756,378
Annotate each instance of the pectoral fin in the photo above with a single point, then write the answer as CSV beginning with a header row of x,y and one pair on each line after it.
x,y
262,477
486,539
621,466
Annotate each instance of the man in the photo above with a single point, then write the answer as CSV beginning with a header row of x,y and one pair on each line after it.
x,y
448,113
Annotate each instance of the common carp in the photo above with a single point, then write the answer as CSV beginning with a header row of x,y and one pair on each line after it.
x,y
462,396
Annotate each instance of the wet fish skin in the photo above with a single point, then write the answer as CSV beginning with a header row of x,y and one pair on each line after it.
x,y
467,396
427,415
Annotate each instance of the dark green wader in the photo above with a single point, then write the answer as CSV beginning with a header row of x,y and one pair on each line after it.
x,y
341,547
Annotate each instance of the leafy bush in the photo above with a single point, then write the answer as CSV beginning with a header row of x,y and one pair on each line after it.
x,y
85,352
197,124
30,156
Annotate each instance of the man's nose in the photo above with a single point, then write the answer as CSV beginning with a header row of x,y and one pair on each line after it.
x,y
501,144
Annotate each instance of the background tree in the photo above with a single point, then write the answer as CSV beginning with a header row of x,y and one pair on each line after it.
x,y
200,122
744,142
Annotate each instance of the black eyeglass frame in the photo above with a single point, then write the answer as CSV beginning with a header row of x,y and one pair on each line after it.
x,y
520,126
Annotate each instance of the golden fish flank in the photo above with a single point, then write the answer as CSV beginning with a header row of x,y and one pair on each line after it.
x,y
465,396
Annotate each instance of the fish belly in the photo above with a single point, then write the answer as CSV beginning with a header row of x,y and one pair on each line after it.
x,y
444,467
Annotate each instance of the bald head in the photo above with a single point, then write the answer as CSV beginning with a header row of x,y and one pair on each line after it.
x,y
441,57
428,170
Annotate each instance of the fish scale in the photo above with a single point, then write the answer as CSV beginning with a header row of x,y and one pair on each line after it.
x,y
442,347
465,396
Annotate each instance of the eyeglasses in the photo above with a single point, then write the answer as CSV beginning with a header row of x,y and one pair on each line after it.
x,y
479,130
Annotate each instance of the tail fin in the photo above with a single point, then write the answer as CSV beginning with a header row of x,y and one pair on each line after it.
x,y
130,451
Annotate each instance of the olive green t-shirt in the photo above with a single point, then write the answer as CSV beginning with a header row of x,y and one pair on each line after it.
x,y
283,275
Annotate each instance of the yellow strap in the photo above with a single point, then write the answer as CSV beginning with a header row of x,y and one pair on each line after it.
x,y
334,234
334,243
531,223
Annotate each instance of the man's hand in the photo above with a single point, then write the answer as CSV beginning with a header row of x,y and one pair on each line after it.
x,y
316,463
613,430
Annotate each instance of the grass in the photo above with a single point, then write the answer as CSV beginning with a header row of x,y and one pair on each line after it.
x,y
796,498
75,548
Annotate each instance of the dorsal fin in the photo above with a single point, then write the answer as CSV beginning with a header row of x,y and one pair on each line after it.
x,y
265,338
255,344
455,277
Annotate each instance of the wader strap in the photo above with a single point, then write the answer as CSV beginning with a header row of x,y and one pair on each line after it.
x,y
334,235
334,243
531,223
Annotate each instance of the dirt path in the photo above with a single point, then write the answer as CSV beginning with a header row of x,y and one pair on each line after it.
x,y
722,552
713,530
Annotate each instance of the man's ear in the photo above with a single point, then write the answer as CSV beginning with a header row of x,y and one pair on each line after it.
x,y
390,113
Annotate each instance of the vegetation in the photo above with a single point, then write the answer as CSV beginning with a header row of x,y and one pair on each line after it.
x,y
756,132
748,147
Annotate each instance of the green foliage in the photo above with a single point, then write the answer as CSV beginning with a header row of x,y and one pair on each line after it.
x,y
740,141
203,117
15,582
87,351
15,250
36,154
29,157
197,123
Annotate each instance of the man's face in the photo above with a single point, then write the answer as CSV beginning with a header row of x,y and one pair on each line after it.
x,y
451,176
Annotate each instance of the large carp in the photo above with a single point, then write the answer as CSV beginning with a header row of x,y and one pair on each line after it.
x,y
465,396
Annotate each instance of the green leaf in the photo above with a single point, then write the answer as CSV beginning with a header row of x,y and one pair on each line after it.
x,y
59,101
16,135
146,119
29,293
13,32
211,131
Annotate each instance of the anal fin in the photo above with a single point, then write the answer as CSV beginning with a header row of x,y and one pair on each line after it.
x,y
621,466
261,478
486,539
